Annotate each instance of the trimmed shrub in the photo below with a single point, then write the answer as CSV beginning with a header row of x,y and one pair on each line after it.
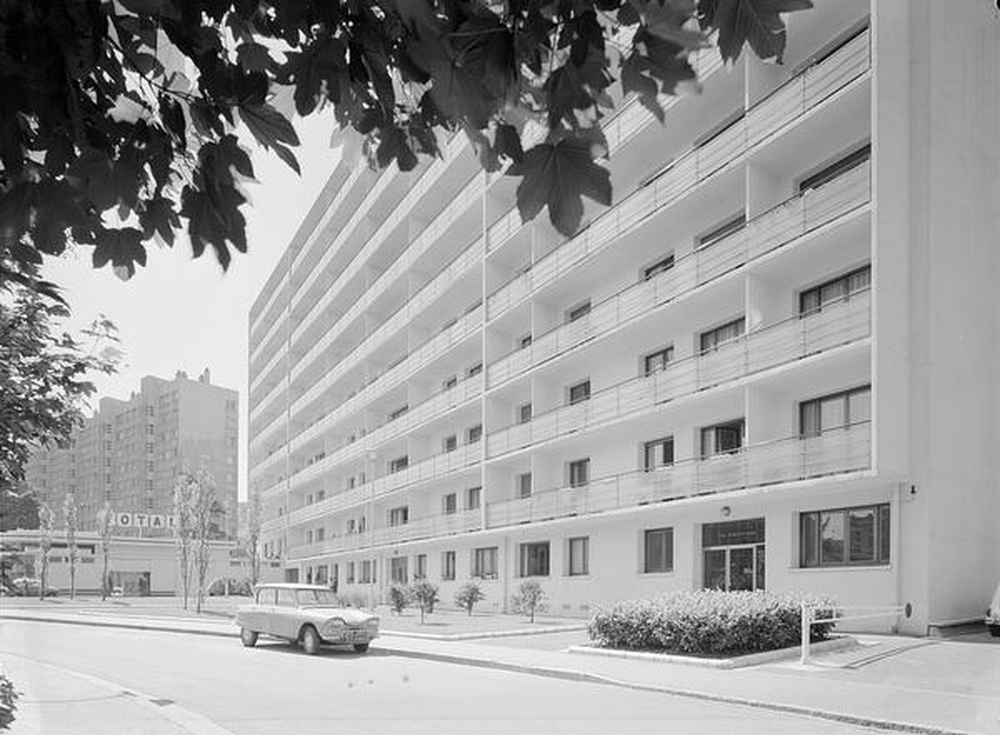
x,y
468,595
399,598
8,702
425,595
708,622
529,598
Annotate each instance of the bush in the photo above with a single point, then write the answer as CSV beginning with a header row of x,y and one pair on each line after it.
x,y
529,598
708,622
8,702
425,595
399,598
240,587
353,599
468,595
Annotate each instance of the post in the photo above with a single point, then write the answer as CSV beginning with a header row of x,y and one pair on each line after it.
x,y
806,625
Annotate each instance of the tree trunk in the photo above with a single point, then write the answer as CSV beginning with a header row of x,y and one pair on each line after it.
x,y
72,580
104,575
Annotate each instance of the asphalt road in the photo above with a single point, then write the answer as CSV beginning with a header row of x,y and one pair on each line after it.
x,y
274,688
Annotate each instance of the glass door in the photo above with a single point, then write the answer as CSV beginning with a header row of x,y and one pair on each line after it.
x,y
734,568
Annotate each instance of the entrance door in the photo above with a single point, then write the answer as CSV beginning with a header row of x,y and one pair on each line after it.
x,y
733,555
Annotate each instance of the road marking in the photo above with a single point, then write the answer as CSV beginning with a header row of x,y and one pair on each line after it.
x,y
192,722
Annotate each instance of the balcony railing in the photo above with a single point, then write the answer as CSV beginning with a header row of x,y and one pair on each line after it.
x,y
840,323
834,452
258,377
775,228
428,410
788,103
433,348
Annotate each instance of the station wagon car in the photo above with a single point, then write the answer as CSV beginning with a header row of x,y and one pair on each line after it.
x,y
306,614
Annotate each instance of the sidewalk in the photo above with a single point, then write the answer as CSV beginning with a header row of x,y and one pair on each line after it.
x,y
900,684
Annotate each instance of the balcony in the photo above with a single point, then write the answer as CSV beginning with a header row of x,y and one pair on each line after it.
x,y
834,452
768,117
430,350
258,377
841,323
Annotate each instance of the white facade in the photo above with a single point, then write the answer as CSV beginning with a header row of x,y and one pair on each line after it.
x,y
793,286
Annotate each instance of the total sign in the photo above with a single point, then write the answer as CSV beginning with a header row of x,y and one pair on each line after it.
x,y
143,520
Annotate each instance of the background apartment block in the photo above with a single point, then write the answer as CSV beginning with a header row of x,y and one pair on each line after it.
x,y
768,365
130,452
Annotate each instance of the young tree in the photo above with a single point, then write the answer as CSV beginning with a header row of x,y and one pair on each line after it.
x,y
468,595
399,597
425,595
105,529
529,598
184,488
46,527
135,106
251,535
72,519
205,514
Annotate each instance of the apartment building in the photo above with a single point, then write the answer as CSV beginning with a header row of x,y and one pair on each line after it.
x,y
769,365
130,452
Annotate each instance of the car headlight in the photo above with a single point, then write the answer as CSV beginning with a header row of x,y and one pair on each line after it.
x,y
333,627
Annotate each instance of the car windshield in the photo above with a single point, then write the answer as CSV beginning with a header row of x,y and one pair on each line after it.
x,y
316,597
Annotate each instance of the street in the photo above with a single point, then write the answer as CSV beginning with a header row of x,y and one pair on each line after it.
x,y
274,688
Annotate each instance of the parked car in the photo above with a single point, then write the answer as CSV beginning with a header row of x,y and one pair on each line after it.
x,y
993,615
308,614
30,587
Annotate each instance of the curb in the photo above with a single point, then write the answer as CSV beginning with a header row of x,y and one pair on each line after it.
x,y
486,634
570,675
565,674
840,643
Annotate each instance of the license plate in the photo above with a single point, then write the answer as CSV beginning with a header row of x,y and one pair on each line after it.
x,y
357,636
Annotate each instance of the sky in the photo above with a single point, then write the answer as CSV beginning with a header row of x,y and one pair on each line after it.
x,y
181,313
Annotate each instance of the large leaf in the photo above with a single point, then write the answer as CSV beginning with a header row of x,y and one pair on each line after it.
x,y
272,130
559,175
757,22
122,247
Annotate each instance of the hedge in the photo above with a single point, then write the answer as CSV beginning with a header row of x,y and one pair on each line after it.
x,y
708,622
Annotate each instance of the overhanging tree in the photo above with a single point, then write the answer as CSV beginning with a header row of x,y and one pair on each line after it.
x,y
125,121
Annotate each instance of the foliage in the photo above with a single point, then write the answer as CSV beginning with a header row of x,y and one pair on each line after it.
x,y
354,599
529,598
399,597
105,530
123,122
44,375
239,587
18,508
72,519
425,595
8,702
707,622
468,595
251,535
184,530
205,510
46,527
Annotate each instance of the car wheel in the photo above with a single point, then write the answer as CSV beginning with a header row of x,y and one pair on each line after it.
x,y
360,647
249,637
310,640
995,631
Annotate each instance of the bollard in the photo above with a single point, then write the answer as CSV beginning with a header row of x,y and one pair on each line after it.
x,y
806,629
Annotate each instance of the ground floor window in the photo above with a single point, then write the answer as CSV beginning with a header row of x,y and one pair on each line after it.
x,y
484,562
578,551
448,565
398,570
350,572
366,572
420,567
534,559
845,537
659,550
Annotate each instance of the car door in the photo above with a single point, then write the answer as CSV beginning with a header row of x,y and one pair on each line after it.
x,y
256,616
284,619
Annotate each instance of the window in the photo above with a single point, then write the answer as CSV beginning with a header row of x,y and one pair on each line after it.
x,y
656,361
578,311
309,536
398,464
447,565
484,562
350,572
450,443
837,411
845,537
722,438
579,472
286,598
149,501
835,169
578,552
713,338
534,559
524,413
474,369
399,516
320,534
524,341
474,497
721,232
658,453
149,429
393,415
149,447
449,504
449,383
524,485
664,264
420,567
659,550
149,465
366,572
838,289
398,570
474,434
579,392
